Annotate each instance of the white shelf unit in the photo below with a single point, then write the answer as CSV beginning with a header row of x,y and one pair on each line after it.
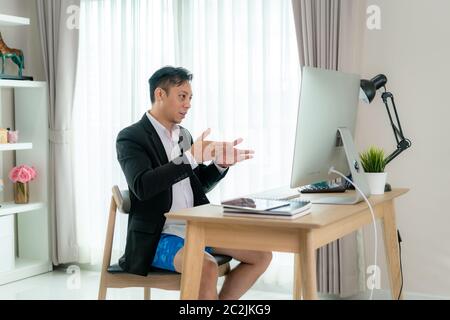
x,y
13,21
12,84
25,268
33,224
16,146
10,208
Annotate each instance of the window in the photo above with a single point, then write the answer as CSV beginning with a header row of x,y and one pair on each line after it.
x,y
246,84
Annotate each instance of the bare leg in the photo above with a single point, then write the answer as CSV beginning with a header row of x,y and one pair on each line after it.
x,y
210,274
243,277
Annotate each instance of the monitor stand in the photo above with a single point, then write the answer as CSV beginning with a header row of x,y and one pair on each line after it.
x,y
356,169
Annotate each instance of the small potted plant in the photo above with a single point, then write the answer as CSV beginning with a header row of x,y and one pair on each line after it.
x,y
373,162
21,176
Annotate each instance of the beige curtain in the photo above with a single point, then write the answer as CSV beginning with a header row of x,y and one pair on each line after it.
x,y
60,52
329,34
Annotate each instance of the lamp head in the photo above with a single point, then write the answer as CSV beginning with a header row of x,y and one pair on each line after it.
x,y
369,88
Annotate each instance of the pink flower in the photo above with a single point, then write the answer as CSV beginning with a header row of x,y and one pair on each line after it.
x,y
14,175
33,173
22,174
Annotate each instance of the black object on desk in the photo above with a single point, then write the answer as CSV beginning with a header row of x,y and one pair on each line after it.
x,y
323,188
349,186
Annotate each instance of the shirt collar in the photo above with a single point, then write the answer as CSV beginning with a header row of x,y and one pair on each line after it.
x,y
162,131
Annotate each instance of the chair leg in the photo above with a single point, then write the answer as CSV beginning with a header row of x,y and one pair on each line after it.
x,y
147,294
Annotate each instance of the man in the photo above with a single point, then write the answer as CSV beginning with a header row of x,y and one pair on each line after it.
x,y
165,172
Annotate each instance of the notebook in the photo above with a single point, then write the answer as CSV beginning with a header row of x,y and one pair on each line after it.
x,y
261,208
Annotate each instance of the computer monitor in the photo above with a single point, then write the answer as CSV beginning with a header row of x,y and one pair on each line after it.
x,y
325,128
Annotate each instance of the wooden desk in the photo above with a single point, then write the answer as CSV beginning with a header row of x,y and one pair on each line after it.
x,y
206,226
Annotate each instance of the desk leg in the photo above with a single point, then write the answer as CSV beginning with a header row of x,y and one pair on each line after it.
x,y
297,277
392,250
308,266
192,261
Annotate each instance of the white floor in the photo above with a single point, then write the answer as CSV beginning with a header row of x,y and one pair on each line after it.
x,y
59,285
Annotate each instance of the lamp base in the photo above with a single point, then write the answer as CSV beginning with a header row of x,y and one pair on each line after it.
x,y
387,187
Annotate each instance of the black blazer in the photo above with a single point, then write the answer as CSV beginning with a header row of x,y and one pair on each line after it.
x,y
150,177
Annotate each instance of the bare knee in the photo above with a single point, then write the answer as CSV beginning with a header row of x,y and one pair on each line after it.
x,y
210,269
263,260
210,274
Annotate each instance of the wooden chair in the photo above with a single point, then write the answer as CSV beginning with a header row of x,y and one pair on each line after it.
x,y
112,276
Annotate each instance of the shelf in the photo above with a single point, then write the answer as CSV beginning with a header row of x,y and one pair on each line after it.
x,y
32,221
9,208
21,84
16,146
25,268
12,21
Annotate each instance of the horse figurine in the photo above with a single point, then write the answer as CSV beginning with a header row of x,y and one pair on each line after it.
x,y
15,55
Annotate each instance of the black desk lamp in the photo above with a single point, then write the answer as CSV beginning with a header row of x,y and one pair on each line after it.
x,y
368,92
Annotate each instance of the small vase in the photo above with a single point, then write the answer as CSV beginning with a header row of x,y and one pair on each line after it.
x,y
21,193
377,182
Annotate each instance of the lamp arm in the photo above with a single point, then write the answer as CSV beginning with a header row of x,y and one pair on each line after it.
x,y
402,142
402,146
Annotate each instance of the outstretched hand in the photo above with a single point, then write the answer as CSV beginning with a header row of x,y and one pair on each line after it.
x,y
200,150
224,154
227,155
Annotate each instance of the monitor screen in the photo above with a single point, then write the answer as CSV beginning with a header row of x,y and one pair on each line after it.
x,y
329,101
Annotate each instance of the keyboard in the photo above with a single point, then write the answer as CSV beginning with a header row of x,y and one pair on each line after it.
x,y
323,188
288,194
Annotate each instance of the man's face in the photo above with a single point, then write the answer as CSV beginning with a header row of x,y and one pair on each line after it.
x,y
177,102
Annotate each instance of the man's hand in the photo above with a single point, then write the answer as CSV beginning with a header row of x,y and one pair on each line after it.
x,y
224,154
227,155
202,150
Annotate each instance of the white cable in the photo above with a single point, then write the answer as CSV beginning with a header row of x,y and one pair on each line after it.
x,y
332,170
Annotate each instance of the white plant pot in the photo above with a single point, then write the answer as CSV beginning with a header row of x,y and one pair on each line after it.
x,y
377,182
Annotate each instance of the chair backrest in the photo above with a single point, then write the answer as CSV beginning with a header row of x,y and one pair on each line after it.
x,y
122,199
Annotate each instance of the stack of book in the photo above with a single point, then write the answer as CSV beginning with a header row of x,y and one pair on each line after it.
x,y
260,208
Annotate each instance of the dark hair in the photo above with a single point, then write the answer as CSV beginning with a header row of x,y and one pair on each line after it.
x,y
167,78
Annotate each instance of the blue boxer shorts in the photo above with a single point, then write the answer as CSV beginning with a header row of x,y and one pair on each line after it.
x,y
168,247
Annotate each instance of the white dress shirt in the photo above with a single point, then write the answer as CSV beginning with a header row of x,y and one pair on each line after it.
x,y
182,195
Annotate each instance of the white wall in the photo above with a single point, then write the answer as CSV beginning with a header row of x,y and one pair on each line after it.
x,y
413,50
